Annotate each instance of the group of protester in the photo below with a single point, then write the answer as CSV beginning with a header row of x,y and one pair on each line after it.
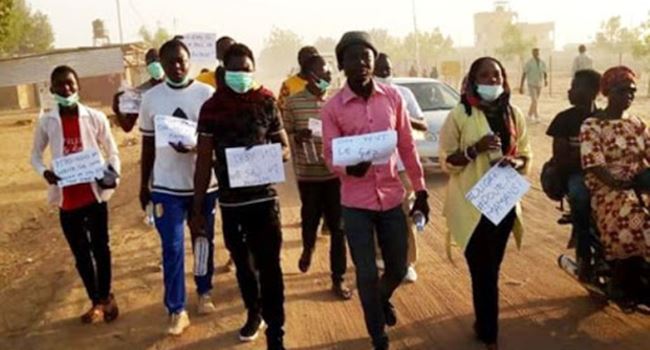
x,y
365,206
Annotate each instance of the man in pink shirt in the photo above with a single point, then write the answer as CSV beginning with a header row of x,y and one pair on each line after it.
x,y
371,195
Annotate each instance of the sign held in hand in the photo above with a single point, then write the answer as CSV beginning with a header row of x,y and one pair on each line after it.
x,y
174,130
258,165
375,147
316,127
130,101
78,168
498,192
201,46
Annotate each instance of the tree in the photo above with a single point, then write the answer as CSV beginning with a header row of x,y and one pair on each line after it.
x,y
280,51
25,32
641,47
431,46
325,45
615,38
515,45
155,39
5,11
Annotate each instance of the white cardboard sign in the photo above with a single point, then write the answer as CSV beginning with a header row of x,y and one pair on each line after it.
x,y
316,127
129,101
375,147
498,192
78,168
258,165
172,129
202,46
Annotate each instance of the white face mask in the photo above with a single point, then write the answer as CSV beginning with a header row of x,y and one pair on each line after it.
x,y
489,93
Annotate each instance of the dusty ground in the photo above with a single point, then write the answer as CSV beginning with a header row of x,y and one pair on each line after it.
x,y
41,295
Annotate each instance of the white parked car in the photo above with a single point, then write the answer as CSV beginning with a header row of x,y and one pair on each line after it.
x,y
436,99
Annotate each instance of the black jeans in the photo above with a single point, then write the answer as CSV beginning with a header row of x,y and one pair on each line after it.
x,y
323,198
254,230
360,227
484,255
86,230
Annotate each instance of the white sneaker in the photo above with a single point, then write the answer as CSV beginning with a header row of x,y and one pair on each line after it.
x,y
205,304
411,275
178,322
380,264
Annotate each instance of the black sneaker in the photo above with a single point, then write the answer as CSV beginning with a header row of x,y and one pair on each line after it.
x,y
251,329
389,314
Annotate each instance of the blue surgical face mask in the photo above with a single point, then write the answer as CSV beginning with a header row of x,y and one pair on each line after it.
x,y
180,84
67,101
323,85
489,93
155,70
239,82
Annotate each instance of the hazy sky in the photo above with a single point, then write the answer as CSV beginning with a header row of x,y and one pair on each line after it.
x,y
249,21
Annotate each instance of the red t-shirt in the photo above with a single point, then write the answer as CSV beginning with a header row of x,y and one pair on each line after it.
x,y
81,195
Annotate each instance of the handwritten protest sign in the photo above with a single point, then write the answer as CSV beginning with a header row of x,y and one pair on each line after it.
x,y
130,101
498,192
316,127
174,130
78,168
259,165
201,45
376,147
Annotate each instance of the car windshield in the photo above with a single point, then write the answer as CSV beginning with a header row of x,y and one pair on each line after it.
x,y
433,96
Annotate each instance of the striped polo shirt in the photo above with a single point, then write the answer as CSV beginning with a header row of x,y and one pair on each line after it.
x,y
308,161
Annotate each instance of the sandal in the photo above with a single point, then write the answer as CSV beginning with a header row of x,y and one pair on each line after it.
x,y
94,314
342,291
111,311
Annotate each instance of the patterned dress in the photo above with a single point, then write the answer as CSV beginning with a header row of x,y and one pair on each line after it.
x,y
623,147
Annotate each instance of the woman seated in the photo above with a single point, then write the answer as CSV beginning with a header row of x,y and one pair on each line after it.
x,y
615,152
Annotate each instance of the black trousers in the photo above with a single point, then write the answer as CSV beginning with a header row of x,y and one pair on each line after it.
x,y
254,230
484,255
86,230
323,199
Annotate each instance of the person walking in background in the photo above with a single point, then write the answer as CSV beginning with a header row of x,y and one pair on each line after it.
x,y
170,172
565,130
536,76
156,73
383,74
319,188
372,195
243,114
69,128
484,129
582,61
297,82
214,78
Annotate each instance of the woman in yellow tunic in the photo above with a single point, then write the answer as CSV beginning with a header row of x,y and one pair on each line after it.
x,y
482,130
615,148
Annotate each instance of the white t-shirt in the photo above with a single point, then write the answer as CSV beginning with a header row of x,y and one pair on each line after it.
x,y
412,105
173,172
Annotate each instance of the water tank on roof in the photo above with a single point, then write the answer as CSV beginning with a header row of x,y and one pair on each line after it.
x,y
99,31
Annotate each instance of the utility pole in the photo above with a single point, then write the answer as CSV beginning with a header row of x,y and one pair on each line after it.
x,y
417,39
119,21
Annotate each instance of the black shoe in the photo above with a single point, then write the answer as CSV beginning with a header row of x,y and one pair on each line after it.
x,y
381,347
251,329
389,314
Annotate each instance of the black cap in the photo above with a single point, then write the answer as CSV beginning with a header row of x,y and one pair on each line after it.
x,y
353,38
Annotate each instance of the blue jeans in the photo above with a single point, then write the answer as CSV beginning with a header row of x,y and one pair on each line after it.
x,y
580,202
360,227
170,214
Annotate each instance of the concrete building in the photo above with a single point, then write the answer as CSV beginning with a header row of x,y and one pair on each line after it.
x,y
489,28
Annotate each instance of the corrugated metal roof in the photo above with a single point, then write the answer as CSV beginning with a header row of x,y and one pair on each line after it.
x,y
88,62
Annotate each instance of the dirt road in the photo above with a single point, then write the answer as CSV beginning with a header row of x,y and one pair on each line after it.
x,y
41,296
